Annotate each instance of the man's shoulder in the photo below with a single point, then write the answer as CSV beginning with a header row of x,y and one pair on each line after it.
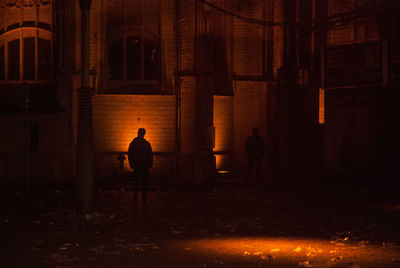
x,y
133,143
137,140
147,143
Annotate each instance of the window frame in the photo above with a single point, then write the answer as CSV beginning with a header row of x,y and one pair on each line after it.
x,y
125,85
21,33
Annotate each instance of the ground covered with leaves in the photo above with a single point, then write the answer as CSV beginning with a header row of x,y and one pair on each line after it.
x,y
199,226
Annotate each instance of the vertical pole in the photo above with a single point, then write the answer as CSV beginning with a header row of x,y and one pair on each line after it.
x,y
263,48
178,89
85,142
85,13
28,135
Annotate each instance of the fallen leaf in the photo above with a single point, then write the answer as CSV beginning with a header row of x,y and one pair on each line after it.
x,y
305,264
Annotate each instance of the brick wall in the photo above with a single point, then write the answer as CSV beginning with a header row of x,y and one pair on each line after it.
x,y
359,32
187,35
45,162
188,95
117,117
116,120
223,123
234,119
45,14
277,36
250,110
248,40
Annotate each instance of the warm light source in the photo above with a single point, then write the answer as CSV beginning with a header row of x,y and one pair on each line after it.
x,y
321,106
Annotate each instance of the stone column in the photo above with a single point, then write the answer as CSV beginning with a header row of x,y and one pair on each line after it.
x,y
85,130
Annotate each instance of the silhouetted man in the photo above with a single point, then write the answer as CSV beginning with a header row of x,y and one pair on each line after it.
x,y
140,156
255,149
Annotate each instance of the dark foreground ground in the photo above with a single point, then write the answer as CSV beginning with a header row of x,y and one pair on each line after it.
x,y
198,226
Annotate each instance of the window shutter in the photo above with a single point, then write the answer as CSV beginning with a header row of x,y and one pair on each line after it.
x,y
2,63
44,50
29,58
13,60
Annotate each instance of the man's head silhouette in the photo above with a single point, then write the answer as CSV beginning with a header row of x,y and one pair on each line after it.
x,y
141,132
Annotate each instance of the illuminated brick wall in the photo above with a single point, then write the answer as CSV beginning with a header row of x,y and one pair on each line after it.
x,y
116,117
116,121
224,131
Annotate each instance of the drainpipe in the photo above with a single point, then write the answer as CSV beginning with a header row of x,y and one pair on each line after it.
x,y
178,89
25,87
85,137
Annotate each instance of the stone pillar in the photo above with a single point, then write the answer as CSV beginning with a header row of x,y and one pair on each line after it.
x,y
204,130
85,130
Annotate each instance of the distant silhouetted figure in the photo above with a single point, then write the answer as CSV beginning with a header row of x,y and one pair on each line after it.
x,y
140,156
255,149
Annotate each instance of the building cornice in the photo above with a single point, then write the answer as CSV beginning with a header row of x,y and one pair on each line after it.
x,y
24,3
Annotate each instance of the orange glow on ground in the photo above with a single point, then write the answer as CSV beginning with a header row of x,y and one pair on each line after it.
x,y
298,251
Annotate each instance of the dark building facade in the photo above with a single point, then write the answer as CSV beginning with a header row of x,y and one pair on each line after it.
x,y
199,75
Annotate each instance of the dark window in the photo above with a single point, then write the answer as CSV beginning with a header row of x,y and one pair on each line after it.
x,y
2,63
116,60
151,60
29,58
142,59
13,60
28,24
44,54
133,47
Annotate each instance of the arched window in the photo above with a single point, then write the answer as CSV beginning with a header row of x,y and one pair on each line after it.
x,y
133,47
2,63
134,55
26,38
